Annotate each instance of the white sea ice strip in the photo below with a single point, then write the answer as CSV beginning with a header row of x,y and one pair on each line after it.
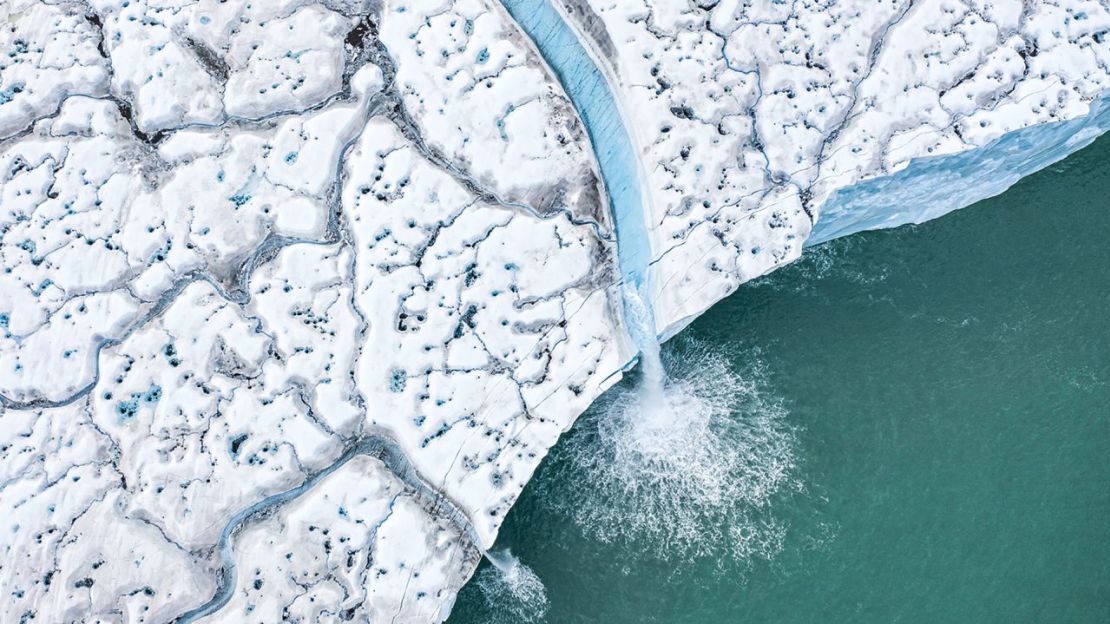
x,y
749,116
482,97
489,329
356,547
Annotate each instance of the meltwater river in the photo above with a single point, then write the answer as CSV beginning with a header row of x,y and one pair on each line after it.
x,y
591,96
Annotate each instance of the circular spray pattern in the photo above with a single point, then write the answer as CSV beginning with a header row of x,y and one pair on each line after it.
x,y
681,465
512,591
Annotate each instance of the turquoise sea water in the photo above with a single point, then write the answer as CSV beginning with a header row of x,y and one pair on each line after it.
x,y
910,425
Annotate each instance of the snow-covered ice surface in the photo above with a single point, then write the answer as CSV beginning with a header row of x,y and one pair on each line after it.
x,y
756,120
295,295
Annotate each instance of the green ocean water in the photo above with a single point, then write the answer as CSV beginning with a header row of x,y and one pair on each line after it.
x,y
910,425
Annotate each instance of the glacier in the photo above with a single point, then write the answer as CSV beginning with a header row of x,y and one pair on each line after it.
x,y
296,296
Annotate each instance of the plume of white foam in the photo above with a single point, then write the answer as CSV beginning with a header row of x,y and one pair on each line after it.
x,y
684,463
512,590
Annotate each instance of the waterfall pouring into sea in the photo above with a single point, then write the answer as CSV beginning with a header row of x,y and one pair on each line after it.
x,y
689,453
513,592
641,327
684,459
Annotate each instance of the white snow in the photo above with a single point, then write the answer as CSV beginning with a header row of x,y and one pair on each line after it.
x,y
267,317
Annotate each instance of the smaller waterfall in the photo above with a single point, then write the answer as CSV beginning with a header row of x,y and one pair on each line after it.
x,y
511,589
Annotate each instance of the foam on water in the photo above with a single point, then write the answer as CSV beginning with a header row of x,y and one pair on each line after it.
x,y
837,259
512,591
683,463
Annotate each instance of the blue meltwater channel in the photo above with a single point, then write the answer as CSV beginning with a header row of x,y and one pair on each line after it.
x,y
588,89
